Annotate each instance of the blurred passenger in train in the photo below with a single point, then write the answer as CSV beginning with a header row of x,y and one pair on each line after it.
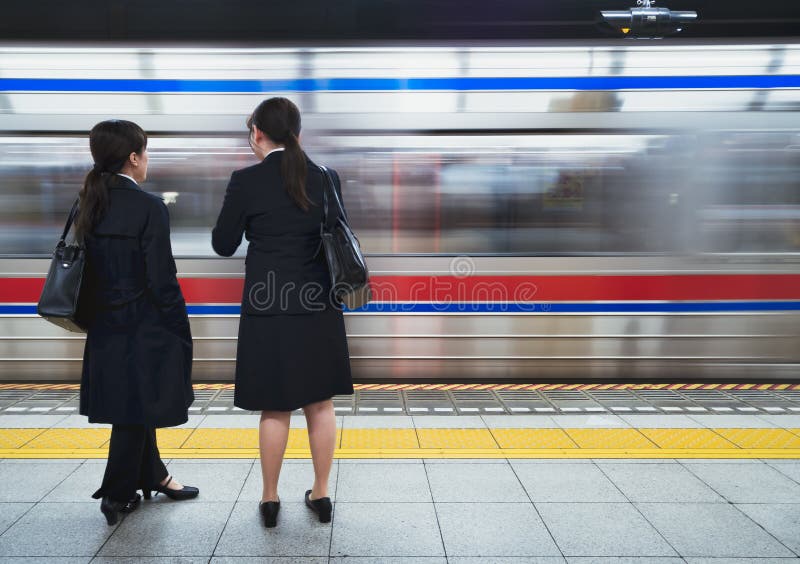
x,y
138,357
292,348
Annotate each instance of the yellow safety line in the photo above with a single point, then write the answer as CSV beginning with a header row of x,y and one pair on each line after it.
x,y
428,453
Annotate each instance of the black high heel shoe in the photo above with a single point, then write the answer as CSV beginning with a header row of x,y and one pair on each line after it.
x,y
321,506
187,492
269,511
111,509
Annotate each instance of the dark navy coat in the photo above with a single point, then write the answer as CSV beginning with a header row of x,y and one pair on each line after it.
x,y
285,269
138,355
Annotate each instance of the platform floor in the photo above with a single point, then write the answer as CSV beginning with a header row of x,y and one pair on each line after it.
x,y
655,487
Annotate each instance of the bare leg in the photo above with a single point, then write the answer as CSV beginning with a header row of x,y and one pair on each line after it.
x,y
322,437
273,434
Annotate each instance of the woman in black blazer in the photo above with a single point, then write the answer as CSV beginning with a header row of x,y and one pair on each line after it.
x,y
292,349
137,359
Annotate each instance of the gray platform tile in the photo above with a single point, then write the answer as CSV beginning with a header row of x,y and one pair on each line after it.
x,y
658,421
385,483
780,520
32,481
10,512
448,422
210,461
465,461
624,560
742,560
150,560
76,421
293,482
57,529
372,529
377,422
217,482
474,482
169,529
658,482
590,421
29,421
747,483
79,485
389,560
711,529
46,560
602,529
634,460
732,421
269,560
550,460
506,560
193,422
519,421
566,482
380,460
494,529
789,468
755,461
785,421
298,533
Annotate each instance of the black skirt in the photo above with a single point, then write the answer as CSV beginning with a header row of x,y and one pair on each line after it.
x,y
287,361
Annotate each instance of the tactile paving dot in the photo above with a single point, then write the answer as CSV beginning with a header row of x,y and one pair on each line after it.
x,y
172,438
456,438
379,438
609,438
686,438
533,438
223,438
71,438
761,438
15,438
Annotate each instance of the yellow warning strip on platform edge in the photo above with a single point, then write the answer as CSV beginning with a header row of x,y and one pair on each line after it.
x,y
429,443
478,386
482,453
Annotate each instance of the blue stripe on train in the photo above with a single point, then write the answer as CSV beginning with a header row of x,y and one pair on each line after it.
x,y
504,307
398,84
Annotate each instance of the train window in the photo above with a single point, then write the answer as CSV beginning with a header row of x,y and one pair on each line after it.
x,y
537,194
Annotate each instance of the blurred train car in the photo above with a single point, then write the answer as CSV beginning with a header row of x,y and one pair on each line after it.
x,y
626,210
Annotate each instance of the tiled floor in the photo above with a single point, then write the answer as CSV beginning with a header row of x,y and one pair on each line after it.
x,y
419,511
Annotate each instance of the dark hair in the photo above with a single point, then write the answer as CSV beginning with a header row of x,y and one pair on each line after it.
x,y
111,143
279,119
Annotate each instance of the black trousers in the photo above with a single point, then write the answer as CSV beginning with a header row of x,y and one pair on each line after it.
x,y
133,462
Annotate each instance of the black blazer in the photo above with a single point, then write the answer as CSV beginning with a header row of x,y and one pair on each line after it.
x,y
285,269
138,354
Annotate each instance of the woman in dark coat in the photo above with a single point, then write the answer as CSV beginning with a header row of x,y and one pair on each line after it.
x,y
292,349
138,356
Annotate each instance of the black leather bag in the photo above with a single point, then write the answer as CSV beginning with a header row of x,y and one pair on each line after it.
x,y
59,300
348,269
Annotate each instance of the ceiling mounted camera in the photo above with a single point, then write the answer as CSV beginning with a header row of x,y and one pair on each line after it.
x,y
646,21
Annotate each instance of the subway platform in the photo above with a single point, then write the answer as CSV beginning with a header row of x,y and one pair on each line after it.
x,y
431,473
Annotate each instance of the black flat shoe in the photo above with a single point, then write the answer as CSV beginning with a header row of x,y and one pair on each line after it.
x,y
111,509
321,506
269,511
187,492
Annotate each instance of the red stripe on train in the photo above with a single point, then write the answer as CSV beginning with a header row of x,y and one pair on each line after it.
x,y
503,288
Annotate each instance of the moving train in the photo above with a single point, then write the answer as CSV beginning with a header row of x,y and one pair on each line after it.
x,y
610,210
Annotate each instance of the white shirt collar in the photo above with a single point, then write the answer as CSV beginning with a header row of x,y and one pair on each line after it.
x,y
273,150
128,177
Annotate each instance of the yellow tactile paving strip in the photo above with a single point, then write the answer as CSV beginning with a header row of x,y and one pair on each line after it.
x,y
429,443
476,386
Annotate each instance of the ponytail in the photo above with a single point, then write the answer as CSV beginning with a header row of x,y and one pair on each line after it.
x,y
93,202
279,119
294,171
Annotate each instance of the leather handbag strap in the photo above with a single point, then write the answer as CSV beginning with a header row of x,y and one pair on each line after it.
x,y
72,213
339,207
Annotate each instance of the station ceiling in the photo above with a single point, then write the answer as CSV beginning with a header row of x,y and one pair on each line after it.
x,y
367,20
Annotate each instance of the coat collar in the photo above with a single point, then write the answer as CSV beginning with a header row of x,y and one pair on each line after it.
x,y
117,181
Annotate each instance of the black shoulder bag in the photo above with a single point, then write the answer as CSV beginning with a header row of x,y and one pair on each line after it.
x,y
58,302
348,269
